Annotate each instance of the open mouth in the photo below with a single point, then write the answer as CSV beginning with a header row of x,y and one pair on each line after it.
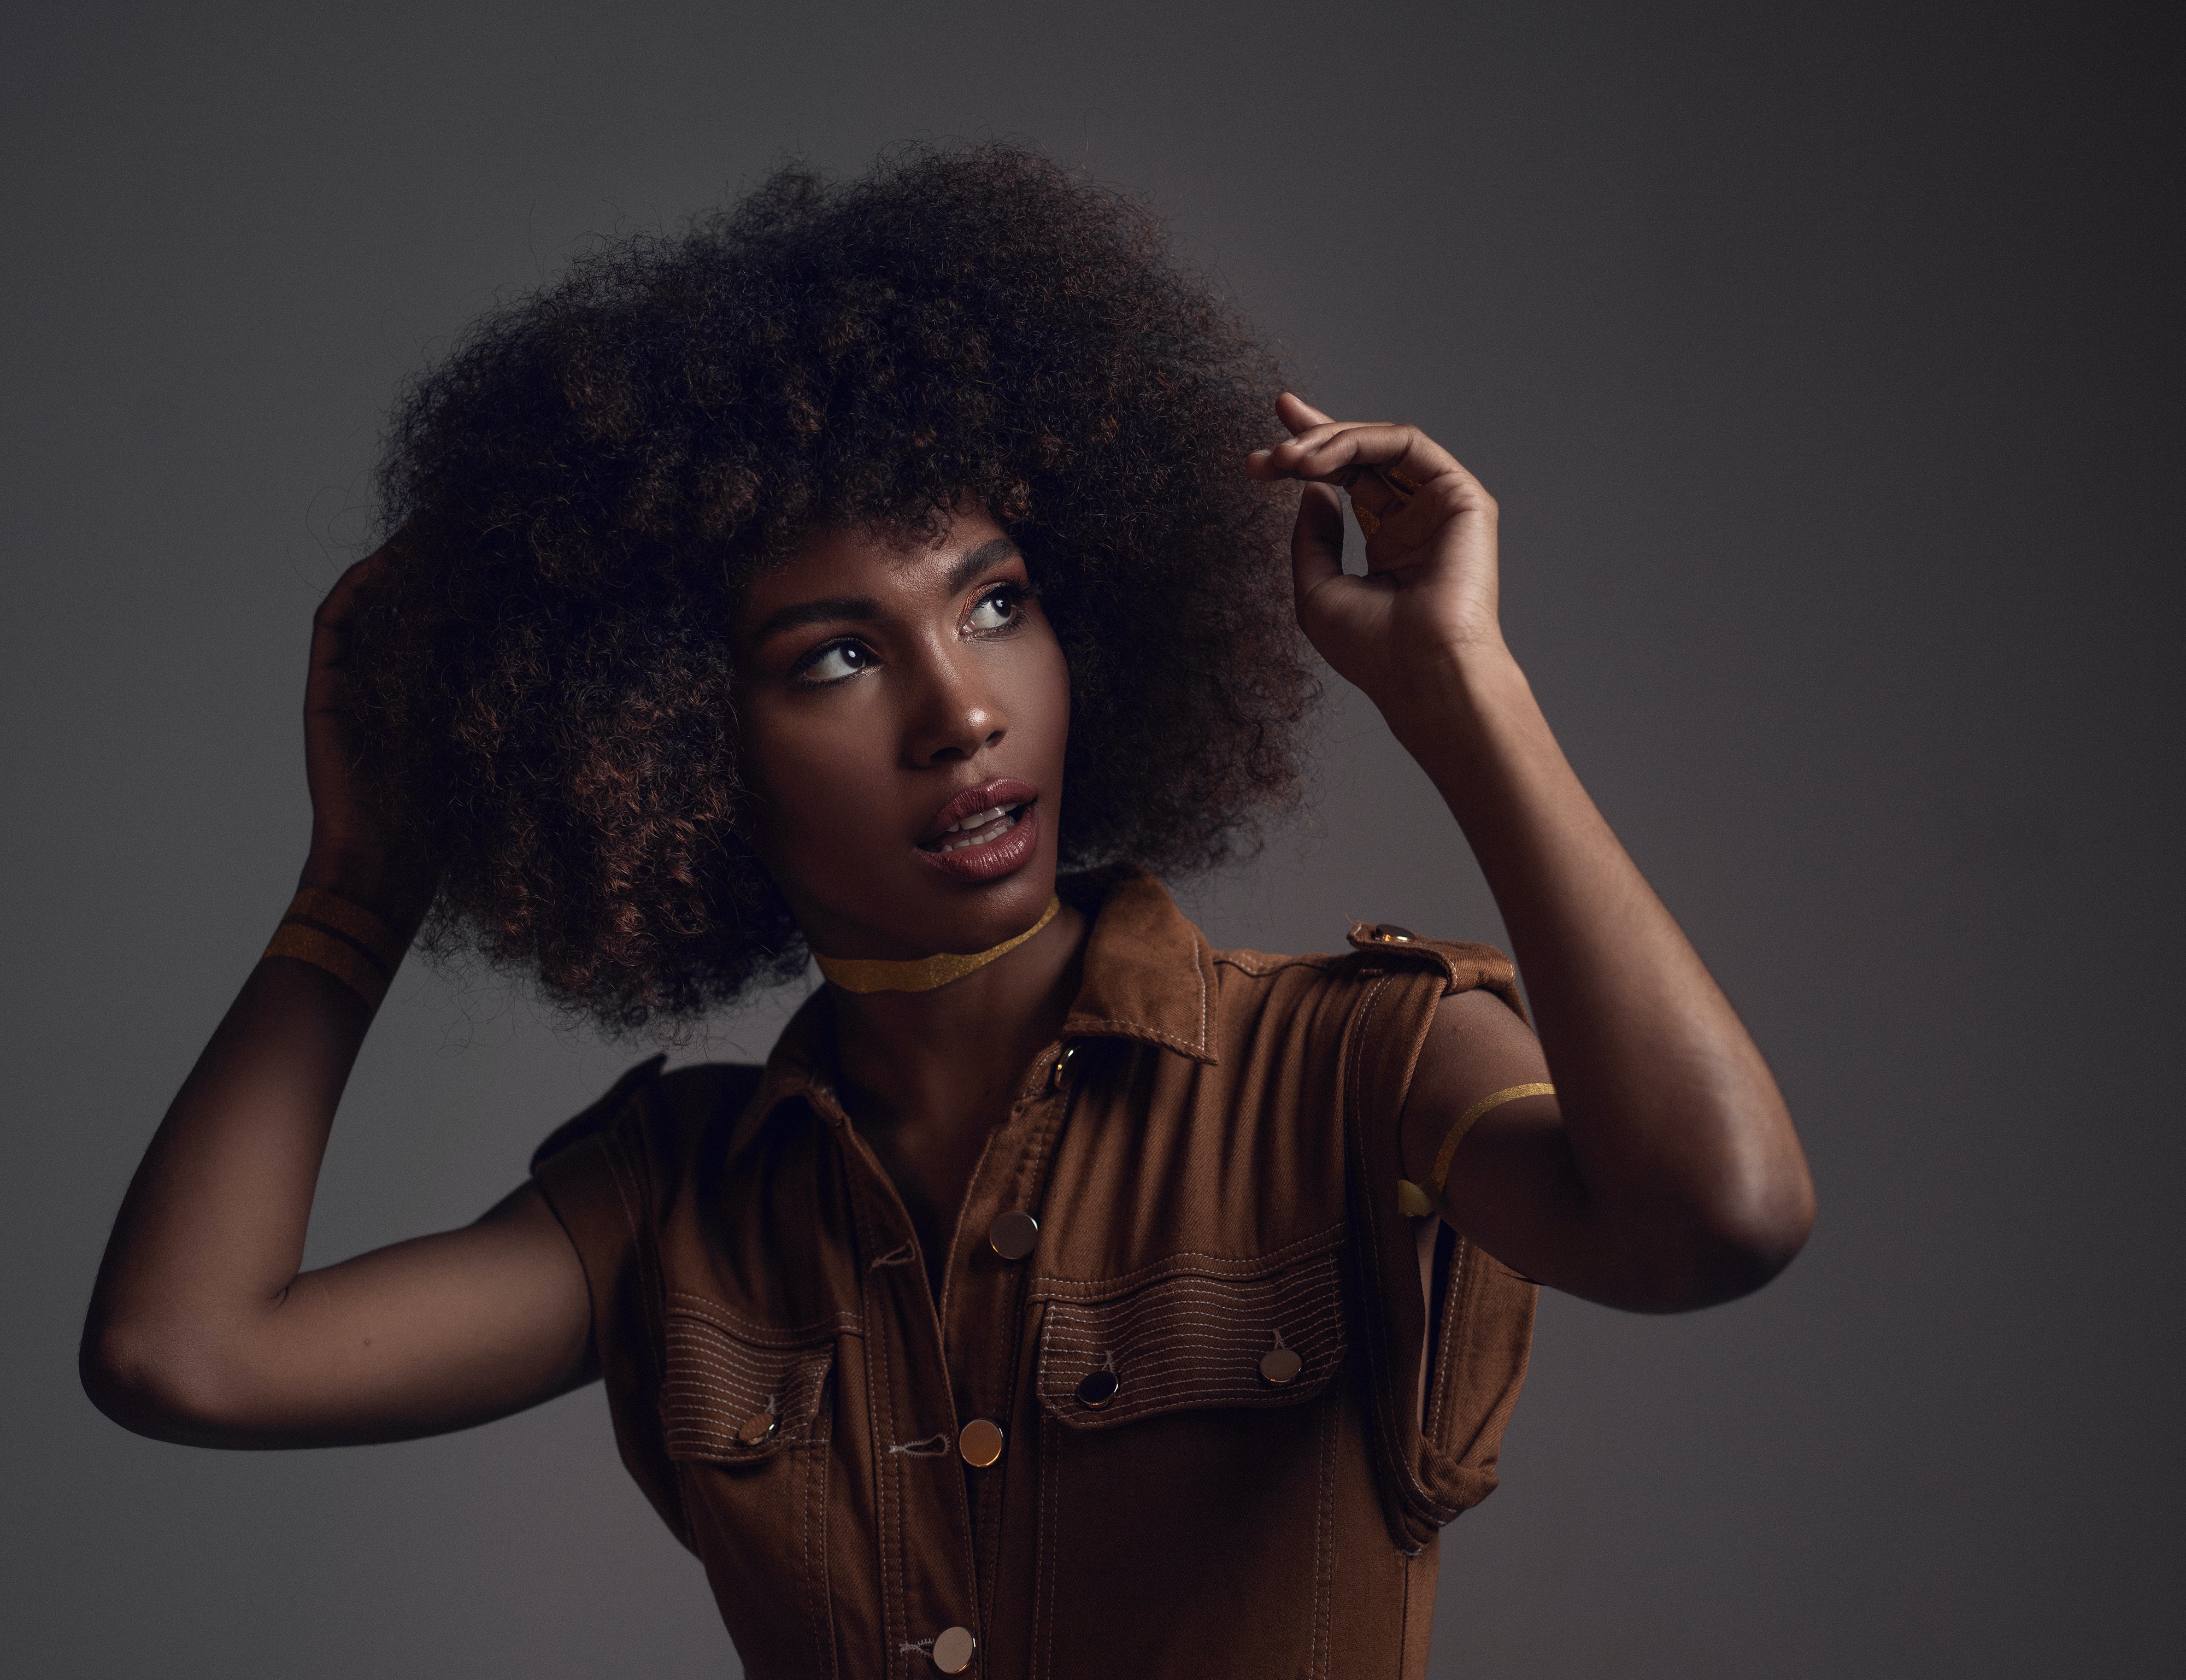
x,y
984,832
981,828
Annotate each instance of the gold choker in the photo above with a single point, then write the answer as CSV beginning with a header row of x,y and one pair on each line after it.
x,y
865,974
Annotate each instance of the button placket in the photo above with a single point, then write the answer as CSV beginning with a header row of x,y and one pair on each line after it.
x,y
928,1563
998,1235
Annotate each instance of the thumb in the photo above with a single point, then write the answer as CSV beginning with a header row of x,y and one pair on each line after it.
x,y
1316,543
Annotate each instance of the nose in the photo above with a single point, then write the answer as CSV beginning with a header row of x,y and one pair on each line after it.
x,y
957,712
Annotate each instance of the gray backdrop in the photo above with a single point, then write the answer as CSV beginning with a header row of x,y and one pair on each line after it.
x,y
1823,361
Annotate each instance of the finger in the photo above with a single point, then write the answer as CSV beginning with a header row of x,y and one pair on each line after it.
x,y
1304,422
1382,467
1321,453
1326,453
333,607
1309,437
1297,415
342,598
330,634
330,620
1413,518
1280,460
1316,543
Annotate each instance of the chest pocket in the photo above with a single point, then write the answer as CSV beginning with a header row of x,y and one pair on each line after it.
x,y
736,1393
1191,1417
1254,1333
747,1418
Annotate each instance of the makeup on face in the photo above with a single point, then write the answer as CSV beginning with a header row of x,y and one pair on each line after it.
x,y
906,712
986,831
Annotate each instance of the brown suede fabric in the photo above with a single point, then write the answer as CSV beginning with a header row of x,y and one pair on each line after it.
x,y
1214,1168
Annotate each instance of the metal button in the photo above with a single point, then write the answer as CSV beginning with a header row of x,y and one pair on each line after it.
x,y
1098,1389
1389,933
1060,1077
953,1649
756,1428
1279,1365
980,1442
1013,1234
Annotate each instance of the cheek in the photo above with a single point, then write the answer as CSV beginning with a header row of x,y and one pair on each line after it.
x,y
1046,709
812,772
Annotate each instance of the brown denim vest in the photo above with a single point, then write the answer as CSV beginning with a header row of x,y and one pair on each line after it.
x,y
1210,1151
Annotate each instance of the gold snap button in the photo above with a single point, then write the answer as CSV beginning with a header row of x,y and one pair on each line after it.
x,y
980,1442
1281,1365
756,1428
1013,1234
1389,933
1098,1389
1060,1077
953,1649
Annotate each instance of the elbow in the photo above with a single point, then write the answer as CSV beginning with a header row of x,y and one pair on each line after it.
x,y
1738,1244
155,1383
1739,1260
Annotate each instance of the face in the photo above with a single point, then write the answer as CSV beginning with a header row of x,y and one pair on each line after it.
x,y
904,710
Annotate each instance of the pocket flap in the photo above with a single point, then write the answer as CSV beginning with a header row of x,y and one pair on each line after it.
x,y
733,1393
1194,1339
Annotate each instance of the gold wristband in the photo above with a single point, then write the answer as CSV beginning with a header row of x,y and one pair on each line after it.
x,y
353,921
355,967
1417,1201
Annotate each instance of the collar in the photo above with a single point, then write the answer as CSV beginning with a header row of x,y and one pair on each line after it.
x,y
1148,975
1149,972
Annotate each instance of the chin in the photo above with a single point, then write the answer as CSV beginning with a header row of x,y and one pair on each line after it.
x,y
961,898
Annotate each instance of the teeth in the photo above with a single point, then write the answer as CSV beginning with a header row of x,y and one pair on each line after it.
x,y
971,832
976,820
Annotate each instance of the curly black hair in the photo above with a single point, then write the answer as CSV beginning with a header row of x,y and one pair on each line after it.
x,y
543,669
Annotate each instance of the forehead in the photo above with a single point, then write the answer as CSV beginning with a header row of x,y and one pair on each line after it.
x,y
870,564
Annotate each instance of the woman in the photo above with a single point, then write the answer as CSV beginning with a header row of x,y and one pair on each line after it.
x,y
884,573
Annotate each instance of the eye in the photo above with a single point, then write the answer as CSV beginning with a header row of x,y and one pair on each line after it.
x,y
833,661
998,608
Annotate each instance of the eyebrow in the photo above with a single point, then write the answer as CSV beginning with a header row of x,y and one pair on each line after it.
x,y
986,555
864,609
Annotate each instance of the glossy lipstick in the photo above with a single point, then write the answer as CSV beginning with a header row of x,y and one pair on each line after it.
x,y
984,832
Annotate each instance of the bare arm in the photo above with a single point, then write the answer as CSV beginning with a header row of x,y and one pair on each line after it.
x,y
201,1329
1664,1173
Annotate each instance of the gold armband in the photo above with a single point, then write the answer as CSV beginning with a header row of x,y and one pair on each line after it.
x,y
346,939
1415,1201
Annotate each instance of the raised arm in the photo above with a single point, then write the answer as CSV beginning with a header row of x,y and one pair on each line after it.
x,y
1663,1173
201,1329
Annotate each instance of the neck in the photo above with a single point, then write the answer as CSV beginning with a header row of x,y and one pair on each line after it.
x,y
953,1056
922,974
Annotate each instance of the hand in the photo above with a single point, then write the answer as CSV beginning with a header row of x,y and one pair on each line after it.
x,y
1429,588
351,853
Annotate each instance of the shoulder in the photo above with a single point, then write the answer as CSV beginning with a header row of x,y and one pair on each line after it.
x,y
1378,952
661,1111
1356,1022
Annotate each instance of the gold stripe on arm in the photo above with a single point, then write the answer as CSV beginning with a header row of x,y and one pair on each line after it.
x,y
376,936
322,950
1465,1122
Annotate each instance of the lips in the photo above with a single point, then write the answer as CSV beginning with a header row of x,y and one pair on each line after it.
x,y
986,832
